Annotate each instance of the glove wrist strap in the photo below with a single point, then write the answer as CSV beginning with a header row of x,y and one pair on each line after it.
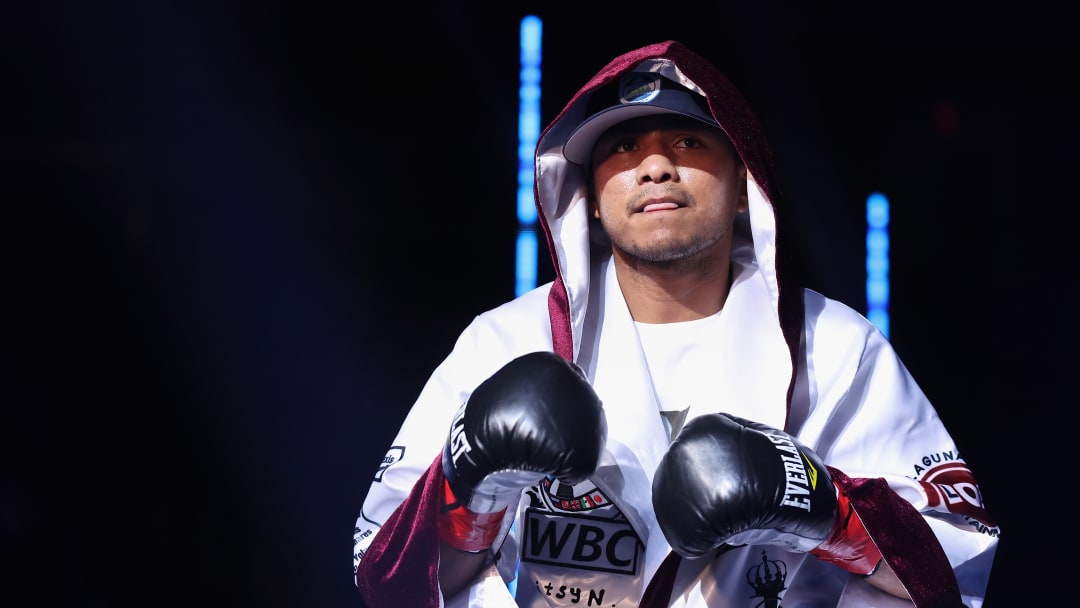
x,y
467,530
849,546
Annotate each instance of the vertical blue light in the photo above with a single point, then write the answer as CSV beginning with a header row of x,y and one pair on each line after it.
x,y
877,261
528,133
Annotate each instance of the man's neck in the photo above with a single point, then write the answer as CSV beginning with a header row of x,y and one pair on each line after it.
x,y
673,292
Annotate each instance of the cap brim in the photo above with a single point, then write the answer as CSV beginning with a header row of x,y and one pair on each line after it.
x,y
579,146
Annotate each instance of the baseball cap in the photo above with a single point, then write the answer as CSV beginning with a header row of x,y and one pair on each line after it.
x,y
634,94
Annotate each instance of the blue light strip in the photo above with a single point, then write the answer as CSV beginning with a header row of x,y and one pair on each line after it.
x,y
528,133
877,261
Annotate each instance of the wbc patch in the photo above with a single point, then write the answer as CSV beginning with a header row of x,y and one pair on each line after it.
x,y
577,548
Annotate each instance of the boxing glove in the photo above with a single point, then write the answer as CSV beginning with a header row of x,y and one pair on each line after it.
x,y
537,416
730,481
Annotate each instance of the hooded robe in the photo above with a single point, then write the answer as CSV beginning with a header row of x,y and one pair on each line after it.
x,y
777,353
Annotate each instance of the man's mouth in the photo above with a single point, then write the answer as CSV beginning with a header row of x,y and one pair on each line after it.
x,y
659,206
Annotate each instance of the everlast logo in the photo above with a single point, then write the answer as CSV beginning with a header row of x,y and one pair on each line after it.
x,y
459,444
799,474
578,541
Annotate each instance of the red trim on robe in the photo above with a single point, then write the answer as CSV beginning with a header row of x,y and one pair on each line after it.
x,y
905,539
559,312
401,567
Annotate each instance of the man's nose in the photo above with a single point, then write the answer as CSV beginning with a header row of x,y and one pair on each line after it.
x,y
656,167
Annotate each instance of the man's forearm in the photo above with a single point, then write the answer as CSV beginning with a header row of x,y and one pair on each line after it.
x,y
885,579
457,569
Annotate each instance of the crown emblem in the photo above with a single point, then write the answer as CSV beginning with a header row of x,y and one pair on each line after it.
x,y
767,579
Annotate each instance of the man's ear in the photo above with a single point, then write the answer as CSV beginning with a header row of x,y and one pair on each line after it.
x,y
594,209
590,191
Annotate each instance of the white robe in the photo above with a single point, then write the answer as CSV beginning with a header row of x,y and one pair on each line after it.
x,y
853,402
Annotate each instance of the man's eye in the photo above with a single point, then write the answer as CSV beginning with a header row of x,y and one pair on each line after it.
x,y
689,142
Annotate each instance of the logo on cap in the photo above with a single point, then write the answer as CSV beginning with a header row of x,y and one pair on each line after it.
x,y
639,88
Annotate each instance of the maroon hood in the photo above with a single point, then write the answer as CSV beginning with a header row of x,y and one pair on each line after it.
x,y
557,180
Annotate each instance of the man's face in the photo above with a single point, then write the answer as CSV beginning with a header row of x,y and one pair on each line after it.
x,y
666,187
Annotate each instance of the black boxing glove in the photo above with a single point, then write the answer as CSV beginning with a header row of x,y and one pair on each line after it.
x,y
726,480
535,417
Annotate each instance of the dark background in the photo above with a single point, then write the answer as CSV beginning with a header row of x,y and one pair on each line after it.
x,y
236,238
